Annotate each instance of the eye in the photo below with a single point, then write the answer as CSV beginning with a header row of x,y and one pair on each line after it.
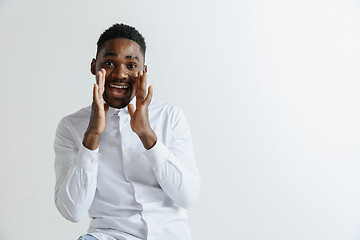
x,y
132,65
109,63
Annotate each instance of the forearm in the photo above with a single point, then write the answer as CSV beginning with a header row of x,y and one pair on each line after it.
x,y
149,139
76,184
91,140
76,162
177,175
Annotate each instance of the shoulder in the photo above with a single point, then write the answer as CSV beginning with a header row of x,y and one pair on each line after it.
x,y
164,107
71,128
77,118
166,112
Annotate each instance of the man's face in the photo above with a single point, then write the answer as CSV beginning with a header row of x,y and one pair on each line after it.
x,y
122,60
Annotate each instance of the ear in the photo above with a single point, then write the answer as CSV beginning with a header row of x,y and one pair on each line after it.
x,y
145,68
93,66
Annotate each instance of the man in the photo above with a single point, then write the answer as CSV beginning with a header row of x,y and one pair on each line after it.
x,y
127,160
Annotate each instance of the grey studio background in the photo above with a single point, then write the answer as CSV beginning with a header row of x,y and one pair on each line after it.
x,y
270,90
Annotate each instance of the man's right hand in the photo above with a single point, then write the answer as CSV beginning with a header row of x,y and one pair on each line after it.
x,y
99,110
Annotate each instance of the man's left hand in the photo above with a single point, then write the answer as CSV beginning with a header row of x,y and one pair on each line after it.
x,y
140,116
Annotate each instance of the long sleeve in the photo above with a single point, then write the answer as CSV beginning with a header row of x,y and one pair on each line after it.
x,y
76,170
125,188
174,165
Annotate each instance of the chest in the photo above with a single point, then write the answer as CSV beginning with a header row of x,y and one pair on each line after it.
x,y
121,150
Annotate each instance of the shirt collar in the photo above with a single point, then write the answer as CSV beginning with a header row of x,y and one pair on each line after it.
x,y
116,111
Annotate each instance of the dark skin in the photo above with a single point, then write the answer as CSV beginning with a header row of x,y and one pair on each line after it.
x,y
120,76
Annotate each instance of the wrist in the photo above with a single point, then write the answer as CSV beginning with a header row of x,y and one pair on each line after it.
x,y
148,139
91,140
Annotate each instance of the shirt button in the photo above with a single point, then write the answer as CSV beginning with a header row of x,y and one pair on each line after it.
x,y
93,160
125,150
130,177
85,185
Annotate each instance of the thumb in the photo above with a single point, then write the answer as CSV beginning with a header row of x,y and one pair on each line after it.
x,y
131,110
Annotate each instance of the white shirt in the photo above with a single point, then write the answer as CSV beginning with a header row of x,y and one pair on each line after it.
x,y
128,191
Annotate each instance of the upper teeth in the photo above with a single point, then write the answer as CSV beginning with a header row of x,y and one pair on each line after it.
x,y
116,86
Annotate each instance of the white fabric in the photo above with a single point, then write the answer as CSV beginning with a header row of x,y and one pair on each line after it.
x,y
128,191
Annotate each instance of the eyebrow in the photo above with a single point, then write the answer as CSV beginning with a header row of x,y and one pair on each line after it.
x,y
111,54
133,57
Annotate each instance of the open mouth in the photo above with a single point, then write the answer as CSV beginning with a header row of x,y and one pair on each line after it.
x,y
118,90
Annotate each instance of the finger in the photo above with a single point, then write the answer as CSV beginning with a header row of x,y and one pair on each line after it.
x,y
149,96
101,81
96,95
104,75
94,92
98,80
98,73
137,85
131,110
138,79
143,81
138,93
141,88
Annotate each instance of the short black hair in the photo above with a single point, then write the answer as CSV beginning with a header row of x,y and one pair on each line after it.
x,y
121,31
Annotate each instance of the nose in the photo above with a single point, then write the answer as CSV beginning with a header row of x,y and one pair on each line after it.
x,y
120,72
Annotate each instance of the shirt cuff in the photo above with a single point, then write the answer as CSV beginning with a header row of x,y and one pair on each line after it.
x,y
87,159
157,154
